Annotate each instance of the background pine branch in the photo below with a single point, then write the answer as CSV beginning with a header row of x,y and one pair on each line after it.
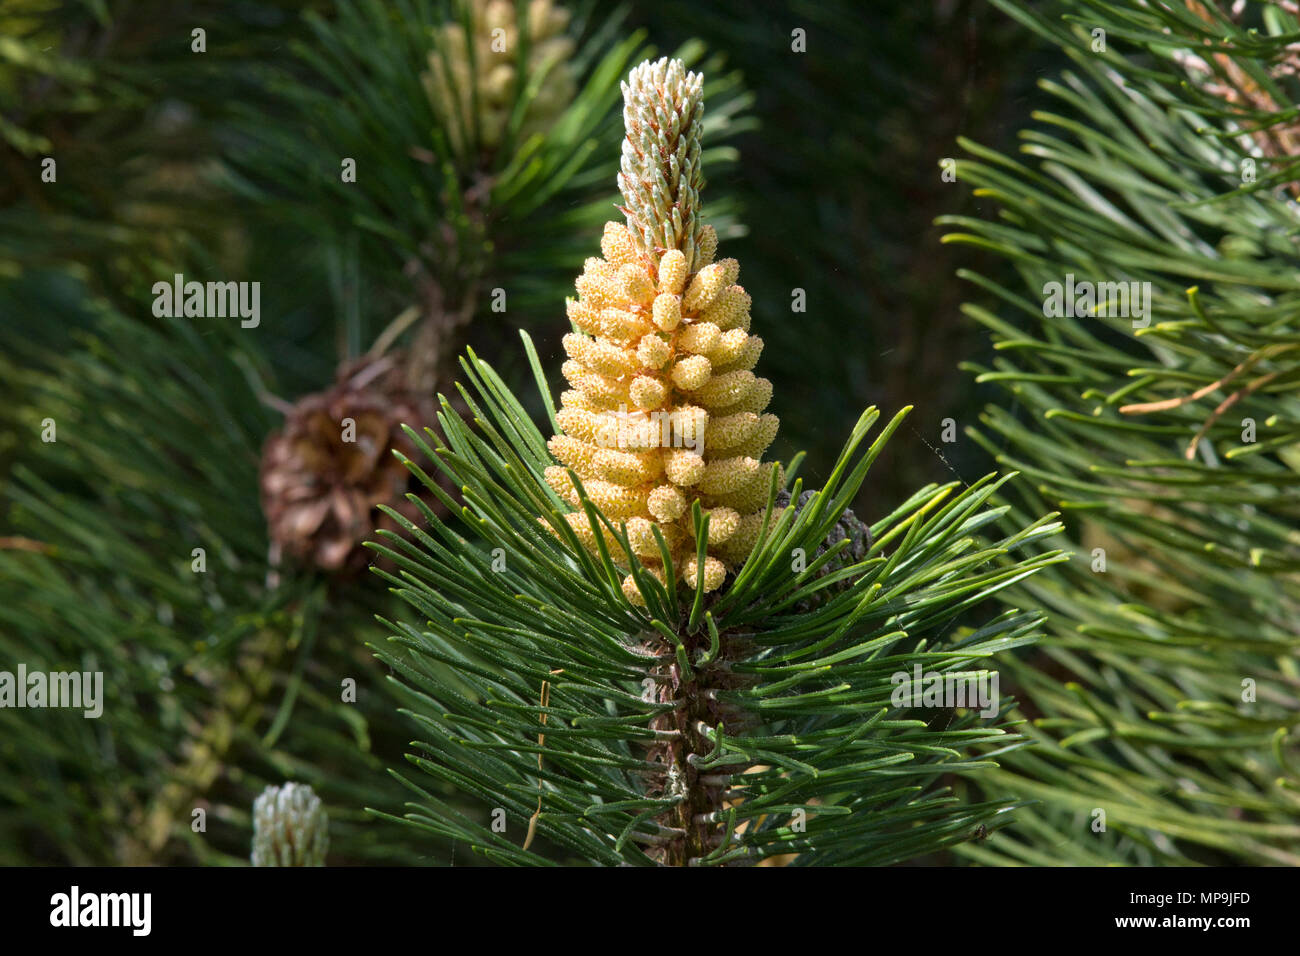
x,y
1166,694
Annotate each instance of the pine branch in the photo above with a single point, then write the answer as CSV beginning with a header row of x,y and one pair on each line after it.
x,y
628,658
1164,696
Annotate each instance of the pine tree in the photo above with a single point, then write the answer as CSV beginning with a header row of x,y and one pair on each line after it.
x,y
1163,701
611,650
599,667
132,540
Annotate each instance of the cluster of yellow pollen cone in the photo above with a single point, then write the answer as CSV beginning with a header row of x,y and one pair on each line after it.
x,y
664,408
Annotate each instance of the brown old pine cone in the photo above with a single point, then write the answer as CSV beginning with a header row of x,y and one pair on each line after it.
x,y
320,490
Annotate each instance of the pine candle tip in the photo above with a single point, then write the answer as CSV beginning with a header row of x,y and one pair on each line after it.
x,y
660,175
290,827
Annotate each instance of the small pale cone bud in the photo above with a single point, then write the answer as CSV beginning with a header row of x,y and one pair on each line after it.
x,y
667,311
756,397
601,389
546,19
560,483
596,290
704,288
683,467
691,372
626,468
690,424
723,391
290,827
714,573
732,392
499,15
584,425
729,309
647,392
727,475
700,338
653,351
594,267
615,501
744,360
752,496
633,593
621,326
471,80
642,538
763,436
573,399
666,503
617,244
673,271
706,247
616,325
730,431
730,271
500,79
723,523
741,544
572,452
583,316
636,284
602,357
